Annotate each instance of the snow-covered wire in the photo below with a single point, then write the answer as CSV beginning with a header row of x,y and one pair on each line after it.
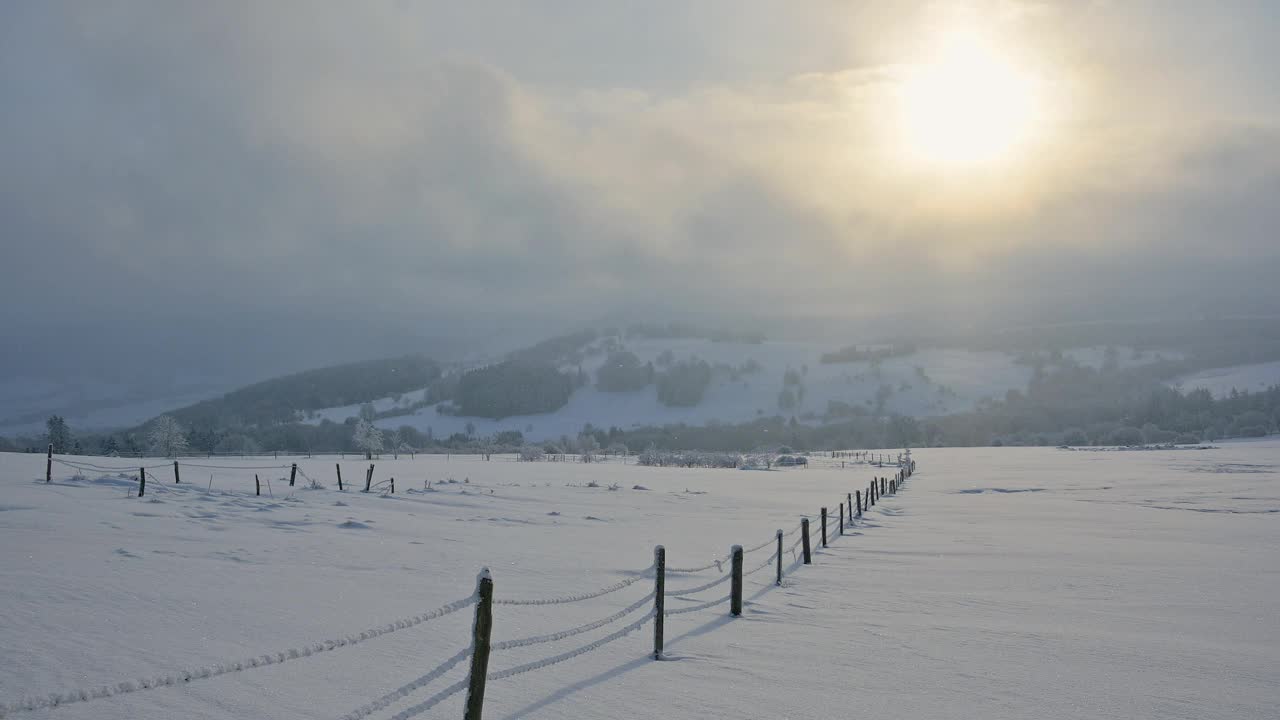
x,y
404,690
223,668
579,597
237,467
699,606
562,634
763,565
554,659
699,588
78,465
718,564
761,546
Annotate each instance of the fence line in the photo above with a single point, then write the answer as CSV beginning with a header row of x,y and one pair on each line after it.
x,y
483,600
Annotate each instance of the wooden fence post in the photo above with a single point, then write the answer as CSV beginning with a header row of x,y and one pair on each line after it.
x,y
842,519
177,479
735,592
339,469
393,486
659,588
142,481
859,505
293,474
804,539
368,478
48,465
779,581
257,485
824,527
480,632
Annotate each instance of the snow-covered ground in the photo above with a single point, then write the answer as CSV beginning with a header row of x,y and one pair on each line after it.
x,y
928,382
1001,583
1221,381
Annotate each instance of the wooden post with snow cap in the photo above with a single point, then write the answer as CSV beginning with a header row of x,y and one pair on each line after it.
x,y
659,590
48,465
824,527
339,468
177,478
779,581
735,592
804,539
293,474
480,632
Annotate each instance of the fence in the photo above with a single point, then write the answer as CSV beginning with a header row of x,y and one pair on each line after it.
x,y
650,607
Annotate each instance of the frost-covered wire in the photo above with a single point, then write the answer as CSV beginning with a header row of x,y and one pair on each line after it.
x,y
761,546
223,668
699,588
763,565
404,690
79,465
562,634
699,606
718,564
577,598
554,659
237,467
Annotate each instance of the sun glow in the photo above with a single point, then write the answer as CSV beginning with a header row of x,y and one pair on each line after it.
x,y
968,105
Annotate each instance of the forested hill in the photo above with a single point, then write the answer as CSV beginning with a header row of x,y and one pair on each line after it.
x,y
284,399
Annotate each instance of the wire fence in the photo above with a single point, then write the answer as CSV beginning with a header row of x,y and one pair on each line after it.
x,y
652,605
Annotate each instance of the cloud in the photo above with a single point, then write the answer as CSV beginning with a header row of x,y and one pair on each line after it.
x,y
401,171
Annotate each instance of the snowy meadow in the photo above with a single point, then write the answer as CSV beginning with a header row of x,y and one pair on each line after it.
x,y
999,583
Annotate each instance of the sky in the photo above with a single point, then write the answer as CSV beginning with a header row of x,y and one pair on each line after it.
x,y
242,188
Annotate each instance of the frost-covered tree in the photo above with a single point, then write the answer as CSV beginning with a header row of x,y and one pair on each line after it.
x,y
167,437
58,433
368,438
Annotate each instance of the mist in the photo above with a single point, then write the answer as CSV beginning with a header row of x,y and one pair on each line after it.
x,y
234,190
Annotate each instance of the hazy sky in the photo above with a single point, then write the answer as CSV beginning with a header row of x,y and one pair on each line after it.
x,y
285,184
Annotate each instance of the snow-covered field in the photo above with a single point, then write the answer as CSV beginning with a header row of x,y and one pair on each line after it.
x,y
1001,583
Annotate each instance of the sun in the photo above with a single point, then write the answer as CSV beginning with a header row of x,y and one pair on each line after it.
x,y
968,105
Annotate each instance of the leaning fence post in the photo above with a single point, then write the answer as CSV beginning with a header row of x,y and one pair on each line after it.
x,y
659,588
735,593
257,485
480,645
293,474
824,527
339,468
779,581
368,478
804,539
48,465
177,479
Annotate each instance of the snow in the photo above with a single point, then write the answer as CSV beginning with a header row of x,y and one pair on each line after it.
x,y
966,376
1000,583
1221,381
